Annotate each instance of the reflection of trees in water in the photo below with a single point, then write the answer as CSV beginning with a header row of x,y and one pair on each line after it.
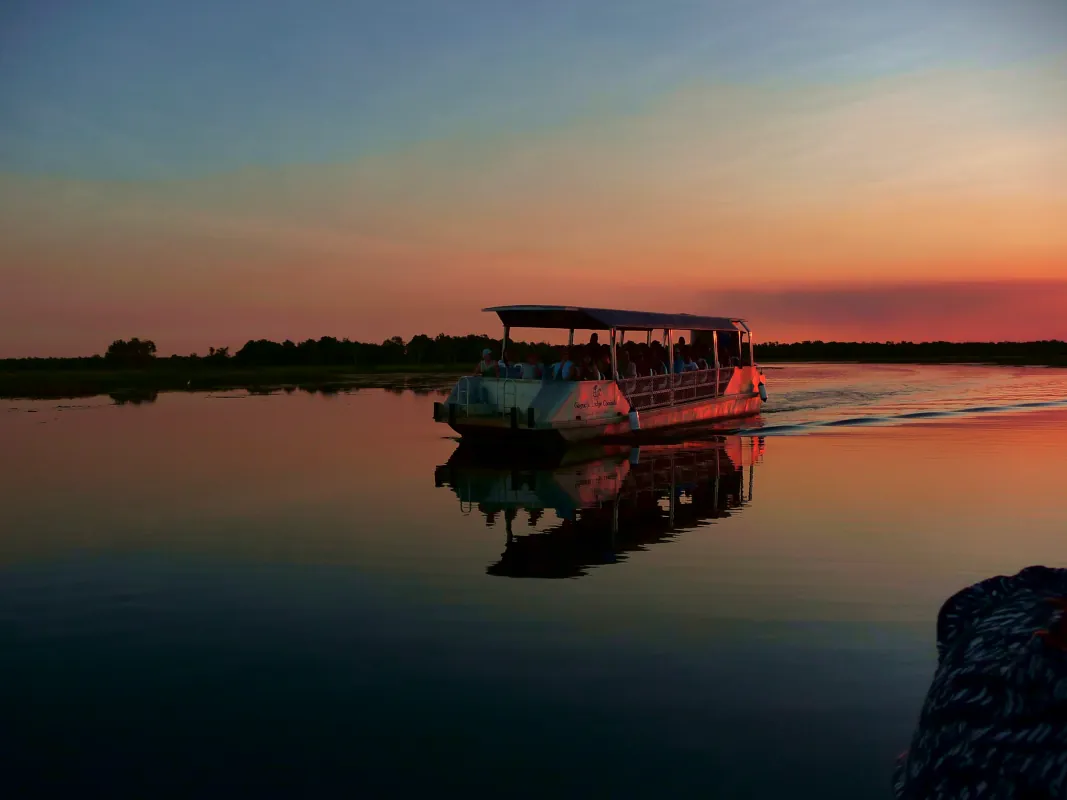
x,y
416,389
334,389
134,397
325,389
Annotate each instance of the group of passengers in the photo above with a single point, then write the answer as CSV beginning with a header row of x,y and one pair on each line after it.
x,y
592,362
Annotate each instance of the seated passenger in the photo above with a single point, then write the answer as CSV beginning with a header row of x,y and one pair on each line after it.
x,y
549,363
688,364
633,351
589,371
627,368
603,363
682,360
531,370
568,369
658,359
644,361
487,366
553,371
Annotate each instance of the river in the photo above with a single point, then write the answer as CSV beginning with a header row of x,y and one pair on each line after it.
x,y
315,595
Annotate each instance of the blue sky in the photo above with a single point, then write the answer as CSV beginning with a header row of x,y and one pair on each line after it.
x,y
136,89
204,172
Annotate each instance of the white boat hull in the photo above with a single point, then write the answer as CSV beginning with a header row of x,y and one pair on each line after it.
x,y
565,412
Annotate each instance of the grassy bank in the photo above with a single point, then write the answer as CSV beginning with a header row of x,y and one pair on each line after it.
x,y
135,383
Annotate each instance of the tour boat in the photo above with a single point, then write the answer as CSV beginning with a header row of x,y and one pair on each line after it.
x,y
549,409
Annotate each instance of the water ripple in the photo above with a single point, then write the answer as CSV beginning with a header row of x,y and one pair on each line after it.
x,y
807,398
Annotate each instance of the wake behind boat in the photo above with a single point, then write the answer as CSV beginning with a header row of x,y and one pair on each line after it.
x,y
614,389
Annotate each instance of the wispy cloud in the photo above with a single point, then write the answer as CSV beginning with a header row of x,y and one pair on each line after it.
x,y
977,311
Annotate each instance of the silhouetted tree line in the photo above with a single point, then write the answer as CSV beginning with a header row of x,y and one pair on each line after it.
x,y
420,350
465,351
131,353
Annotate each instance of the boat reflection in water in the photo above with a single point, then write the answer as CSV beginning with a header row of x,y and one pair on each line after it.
x,y
608,500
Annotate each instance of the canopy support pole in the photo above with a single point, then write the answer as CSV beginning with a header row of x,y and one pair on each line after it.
x,y
670,378
614,367
715,348
504,343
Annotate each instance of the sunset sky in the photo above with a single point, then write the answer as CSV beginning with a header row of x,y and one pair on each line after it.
x,y
202,172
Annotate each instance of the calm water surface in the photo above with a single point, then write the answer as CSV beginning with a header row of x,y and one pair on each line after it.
x,y
307,595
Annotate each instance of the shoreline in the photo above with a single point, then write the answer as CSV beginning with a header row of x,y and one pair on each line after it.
x,y
140,385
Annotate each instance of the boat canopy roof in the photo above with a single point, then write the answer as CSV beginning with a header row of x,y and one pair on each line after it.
x,y
567,317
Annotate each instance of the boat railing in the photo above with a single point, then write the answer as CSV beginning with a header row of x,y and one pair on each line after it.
x,y
463,394
508,383
651,391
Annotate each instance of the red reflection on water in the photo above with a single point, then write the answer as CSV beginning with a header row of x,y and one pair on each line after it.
x,y
891,517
